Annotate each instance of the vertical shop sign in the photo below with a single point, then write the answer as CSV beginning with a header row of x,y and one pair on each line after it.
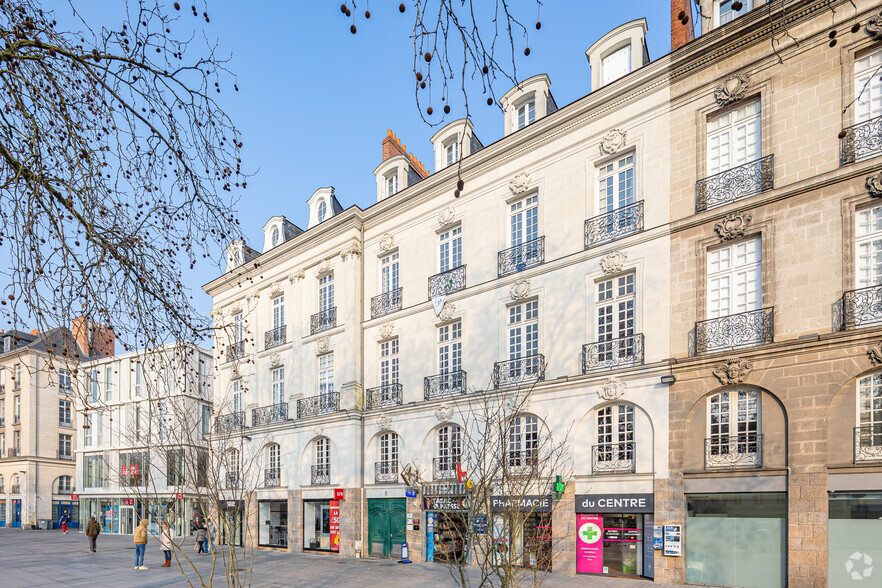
x,y
335,525
648,546
673,540
589,544
430,536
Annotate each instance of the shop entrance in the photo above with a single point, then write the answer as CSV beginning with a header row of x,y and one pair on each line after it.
x,y
127,520
386,525
446,534
15,520
273,529
622,544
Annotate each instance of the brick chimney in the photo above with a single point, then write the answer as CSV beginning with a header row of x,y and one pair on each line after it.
x,y
392,147
681,33
94,338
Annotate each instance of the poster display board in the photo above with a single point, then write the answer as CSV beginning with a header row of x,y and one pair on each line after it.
x,y
430,536
335,525
673,544
589,543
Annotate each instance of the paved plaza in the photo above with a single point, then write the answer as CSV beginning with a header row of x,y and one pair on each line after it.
x,y
49,558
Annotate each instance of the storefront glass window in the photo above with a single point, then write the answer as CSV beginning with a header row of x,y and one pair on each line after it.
x,y
854,538
273,518
317,524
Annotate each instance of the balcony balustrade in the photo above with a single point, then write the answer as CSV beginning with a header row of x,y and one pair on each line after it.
x,y
860,308
444,468
515,372
735,331
65,455
612,354
275,337
861,141
445,385
13,452
520,257
868,443
266,415
735,183
232,480
386,472
272,477
383,396
236,350
320,475
225,423
733,451
326,403
322,321
613,458
614,225
523,462
447,282
386,303
15,489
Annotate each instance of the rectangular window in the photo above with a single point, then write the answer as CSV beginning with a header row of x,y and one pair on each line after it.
x,y
278,312
16,441
87,430
728,14
615,312
174,467
278,386
65,447
616,184
93,385
137,378
450,348
323,452
16,409
206,420
868,443
326,374
64,413
238,327
133,469
99,428
853,532
17,382
523,330
734,278
734,138
526,114
450,250
202,378
389,362
524,221
64,381
391,184
238,405
326,292
389,272
451,152
2,448
868,87
615,65
868,247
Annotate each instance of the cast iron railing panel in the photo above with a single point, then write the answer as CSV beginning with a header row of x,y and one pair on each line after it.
x,y
444,468
386,472
613,458
612,354
272,477
861,141
521,257
735,331
733,451
868,443
230,422
522,462
735,183
275,337
445,385
322,321
265,415
236,350
383,396
386,303
861,308
519,371
232,480
320,475
13,452
326,403
614,225
447,282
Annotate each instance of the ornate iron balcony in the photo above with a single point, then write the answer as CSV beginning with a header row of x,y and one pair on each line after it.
x,y
321,475
386,302
234,421
444,468
519,371
523,462
445,385
735,183
612,354
613,458
447,282
735,331
275,337
734,451
265,415
322,321
272,477
232,480
383,396
868,443
614,225
521,257
326,403
15,489
861,141
386,472
860,308
236,350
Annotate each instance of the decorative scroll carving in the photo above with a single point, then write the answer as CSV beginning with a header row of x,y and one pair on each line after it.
x,y
733,225
731,90
875,354
612,389
297,276
520,290
387,241
613,141
447,312
613,262
275,360
874,27
519,184
383,422
386,330
322,344
318,430
276,289
350,251
443,413
323,267
874,185
446,215
733,371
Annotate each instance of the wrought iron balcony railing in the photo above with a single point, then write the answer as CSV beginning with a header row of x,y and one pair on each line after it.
x,y
447,282
65,455
445,385
444,468
383,396
386,472
733,451
13,452
614,225
521,257
521,462
326,403
861,141
15,489
275,337
2,421
386,303
236,350
322,321
735,183
232,480
234,421
272,477
868,443
321,475
612,354
735,331
860,308
613,458
519,371
266,415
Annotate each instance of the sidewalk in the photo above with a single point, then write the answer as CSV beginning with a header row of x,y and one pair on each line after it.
x,y
49,558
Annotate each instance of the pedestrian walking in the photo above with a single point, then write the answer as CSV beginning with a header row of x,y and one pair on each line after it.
x,y
93,529
140,545
166,545
63,520
212,534
201,539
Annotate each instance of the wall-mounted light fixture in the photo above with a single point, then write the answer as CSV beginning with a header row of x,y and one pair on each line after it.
x,y
668,379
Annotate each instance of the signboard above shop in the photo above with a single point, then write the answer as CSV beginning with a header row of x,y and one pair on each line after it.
x,y
520,504
614,503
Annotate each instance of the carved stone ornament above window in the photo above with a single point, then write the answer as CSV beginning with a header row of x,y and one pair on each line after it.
x,y
519,184
322,344
236,309
446,215
520,290
386,330
447,312
731,90
733,225
350,251
323,267
875,354
443,413
297,276
874,185
318,430
383,422
235,371
874,27
612,389
276,290
733,371
387,242
613,262
613,141
275,360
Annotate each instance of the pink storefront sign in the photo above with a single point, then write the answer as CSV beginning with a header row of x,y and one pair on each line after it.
x,y
589,544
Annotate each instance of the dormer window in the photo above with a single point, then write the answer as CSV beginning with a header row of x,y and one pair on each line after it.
x,y
451,152
7,343
322,211
392,184
616,64
275,237
526,114
728,14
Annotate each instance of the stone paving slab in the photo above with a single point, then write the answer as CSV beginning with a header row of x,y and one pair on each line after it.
x,y
50,558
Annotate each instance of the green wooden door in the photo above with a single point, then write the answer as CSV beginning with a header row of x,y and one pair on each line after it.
x,y
386,525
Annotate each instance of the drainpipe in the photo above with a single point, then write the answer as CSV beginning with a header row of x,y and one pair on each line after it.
x,y
361,379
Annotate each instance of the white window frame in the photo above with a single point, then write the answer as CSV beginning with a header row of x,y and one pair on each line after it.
x,y
322,210
721,18
274,238
523,441
523,220
389,273
868,417
238,328
450,249
868,247
274,459
323,452
136,380
615,433
617,183
238,398
389,362
868,100
734,137
388,447
326,292
326,374
523,329
65,413
732,408
278,379
451,152
734,275
391,183
279,311
449,445
63,380
615,65
450,348
524,114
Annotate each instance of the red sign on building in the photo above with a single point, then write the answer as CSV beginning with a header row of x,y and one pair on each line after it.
x,y
335,525
179,495
74,496
338,494
129,501
133,470
124,470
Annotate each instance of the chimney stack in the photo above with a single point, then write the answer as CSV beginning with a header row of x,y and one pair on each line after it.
x,y
682,30
93,338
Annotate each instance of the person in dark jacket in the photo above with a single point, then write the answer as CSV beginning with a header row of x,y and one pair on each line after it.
x,y
201,539
64,520
93,529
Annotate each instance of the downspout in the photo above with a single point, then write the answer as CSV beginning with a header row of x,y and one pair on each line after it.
x,y
361,379
36,397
